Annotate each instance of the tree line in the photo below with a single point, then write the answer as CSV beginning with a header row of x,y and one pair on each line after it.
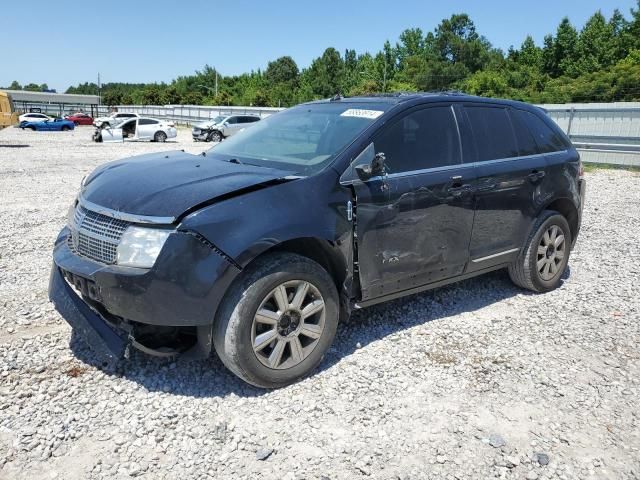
x,y
599,62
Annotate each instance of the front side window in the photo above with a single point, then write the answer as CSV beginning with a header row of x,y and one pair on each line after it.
x,y
426,138
302,139
492,132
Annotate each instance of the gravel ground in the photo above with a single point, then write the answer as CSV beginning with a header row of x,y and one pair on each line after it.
x,y
475,380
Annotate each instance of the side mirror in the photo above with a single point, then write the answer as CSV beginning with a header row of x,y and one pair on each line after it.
x,y
376,168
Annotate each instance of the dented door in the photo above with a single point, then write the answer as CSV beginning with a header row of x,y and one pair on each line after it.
x,y
414,224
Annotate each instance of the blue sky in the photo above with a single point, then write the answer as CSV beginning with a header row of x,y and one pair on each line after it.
x,y
67,42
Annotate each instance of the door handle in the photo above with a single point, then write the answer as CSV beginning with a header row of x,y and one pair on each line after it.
x,y
536,176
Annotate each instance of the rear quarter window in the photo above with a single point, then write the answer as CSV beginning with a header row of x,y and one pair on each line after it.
x,y
545,137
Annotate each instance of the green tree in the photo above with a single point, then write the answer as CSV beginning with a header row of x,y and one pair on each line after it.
x,y
282,70
565,49
327,73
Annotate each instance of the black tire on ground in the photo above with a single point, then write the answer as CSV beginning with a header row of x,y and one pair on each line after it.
x,y
525,271
215,136
65,128
32,128
160,137
234,323
76,123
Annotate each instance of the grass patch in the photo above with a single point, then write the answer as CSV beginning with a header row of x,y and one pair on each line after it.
x,y
593,167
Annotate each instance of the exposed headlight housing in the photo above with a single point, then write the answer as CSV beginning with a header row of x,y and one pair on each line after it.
x,y
140,246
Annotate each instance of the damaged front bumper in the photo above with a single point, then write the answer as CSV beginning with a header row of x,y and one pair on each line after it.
x,y
113,307
108,343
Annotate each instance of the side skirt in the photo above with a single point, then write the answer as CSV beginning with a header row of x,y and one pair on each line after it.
x,y
429,286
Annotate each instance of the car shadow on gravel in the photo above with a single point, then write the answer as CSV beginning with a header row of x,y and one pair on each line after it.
x,y
210,378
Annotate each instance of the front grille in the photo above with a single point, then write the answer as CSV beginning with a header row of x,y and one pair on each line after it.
x,y
95,235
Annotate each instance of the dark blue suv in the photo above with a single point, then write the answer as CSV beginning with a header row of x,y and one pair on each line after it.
x,y
258,247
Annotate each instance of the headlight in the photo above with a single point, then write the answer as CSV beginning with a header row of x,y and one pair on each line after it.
x,y
139,247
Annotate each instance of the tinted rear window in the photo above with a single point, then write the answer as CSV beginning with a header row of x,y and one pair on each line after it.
x,y
546,139
526,143
493,133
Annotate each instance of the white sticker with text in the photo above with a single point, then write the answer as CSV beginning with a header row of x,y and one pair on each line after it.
x,y
356,112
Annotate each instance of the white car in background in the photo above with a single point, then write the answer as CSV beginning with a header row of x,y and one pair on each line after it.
x,y
137,129
113,119
33,117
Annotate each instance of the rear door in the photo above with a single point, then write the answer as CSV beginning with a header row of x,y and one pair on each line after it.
x,y
510,173
147,128
413,224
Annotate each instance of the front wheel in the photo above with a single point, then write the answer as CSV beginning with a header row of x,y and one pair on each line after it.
x,y
215,136
545,257
277,320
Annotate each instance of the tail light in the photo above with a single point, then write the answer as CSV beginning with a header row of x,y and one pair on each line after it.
x,y
580,170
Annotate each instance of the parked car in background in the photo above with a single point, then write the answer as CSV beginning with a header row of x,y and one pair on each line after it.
x,y
33,117
221,127
80,118
402,194
57,124
114,118
136,129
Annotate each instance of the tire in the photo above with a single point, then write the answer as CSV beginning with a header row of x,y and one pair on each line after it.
x,y
76,123
544,251
215,136
32,128
65,128
160,137
286,354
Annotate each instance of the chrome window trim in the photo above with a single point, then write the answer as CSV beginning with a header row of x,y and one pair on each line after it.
x,y
128,217
452,167
495,255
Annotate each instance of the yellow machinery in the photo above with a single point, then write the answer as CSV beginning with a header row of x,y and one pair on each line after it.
x,y
8,116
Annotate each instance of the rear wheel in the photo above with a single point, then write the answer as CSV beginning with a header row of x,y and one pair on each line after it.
x,y
277,321
544,259
76,123
65,128
160,137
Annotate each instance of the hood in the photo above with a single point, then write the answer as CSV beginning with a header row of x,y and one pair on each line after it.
x,y
170,183
205,124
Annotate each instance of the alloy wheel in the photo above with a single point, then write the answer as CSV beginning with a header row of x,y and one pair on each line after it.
x,y
288,324
551,253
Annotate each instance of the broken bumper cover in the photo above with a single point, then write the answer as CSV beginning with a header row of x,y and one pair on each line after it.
x,y
105,341
183,289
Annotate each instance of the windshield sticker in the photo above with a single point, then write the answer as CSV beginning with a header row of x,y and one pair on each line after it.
x,y
356,112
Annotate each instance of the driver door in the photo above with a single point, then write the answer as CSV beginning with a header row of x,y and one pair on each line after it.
x,y
413,224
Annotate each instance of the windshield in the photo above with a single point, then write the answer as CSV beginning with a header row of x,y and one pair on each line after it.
x,y
303,139
217,119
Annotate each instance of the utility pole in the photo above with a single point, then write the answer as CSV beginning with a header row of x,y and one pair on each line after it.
x,y
216,81
99,97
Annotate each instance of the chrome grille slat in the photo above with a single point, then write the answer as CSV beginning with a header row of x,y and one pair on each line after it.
x,y
95,235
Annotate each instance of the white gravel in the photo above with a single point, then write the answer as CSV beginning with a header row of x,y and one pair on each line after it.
x,y
475,380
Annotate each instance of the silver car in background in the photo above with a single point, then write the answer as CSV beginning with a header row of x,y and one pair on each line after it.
x,y
221,127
